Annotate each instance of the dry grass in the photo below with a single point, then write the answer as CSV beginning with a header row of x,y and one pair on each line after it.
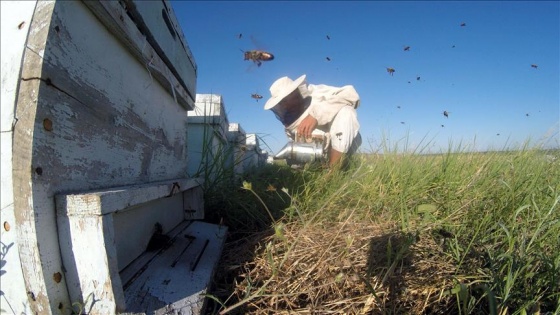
x,y
340,268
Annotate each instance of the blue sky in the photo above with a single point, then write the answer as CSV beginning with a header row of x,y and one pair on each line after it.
x,y
480,73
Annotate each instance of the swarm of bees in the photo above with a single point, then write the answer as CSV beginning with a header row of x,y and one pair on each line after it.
x,y
256,96
258,56
391,71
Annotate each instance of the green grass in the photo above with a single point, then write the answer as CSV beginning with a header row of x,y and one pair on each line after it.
x,y
494,216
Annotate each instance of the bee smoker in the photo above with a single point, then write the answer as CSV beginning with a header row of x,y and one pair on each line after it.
x,y
303,151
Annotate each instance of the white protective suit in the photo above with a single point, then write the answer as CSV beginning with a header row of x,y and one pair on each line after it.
x,y
335,111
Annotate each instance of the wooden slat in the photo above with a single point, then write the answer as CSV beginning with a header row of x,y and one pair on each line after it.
x,y
135,268
115,18
115,199
174,282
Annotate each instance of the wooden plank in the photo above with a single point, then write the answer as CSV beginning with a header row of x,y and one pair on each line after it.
x,y
135,268
135,227
156,20
116,20
90,259
87,237
33,205
117,199
15,24
174,281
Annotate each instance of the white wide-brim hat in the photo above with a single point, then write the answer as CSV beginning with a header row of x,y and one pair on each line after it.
x,y
282,88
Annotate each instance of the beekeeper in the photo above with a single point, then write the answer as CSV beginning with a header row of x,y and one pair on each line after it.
x,y
305,109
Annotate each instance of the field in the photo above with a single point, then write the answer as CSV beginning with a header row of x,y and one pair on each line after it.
x,y
450,233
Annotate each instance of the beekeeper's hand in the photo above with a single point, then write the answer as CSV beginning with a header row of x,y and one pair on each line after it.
x,y
306,127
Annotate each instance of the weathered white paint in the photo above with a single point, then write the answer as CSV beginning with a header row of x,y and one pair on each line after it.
x,y
156,16
92,113
92,271
139,40
15,22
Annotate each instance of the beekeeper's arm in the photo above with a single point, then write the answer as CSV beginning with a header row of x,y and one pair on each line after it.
x,y
327,101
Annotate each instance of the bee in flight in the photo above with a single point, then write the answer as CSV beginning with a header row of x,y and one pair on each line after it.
x,y
391,71
406,48
258,56
446,114
256,96
534,66
328,59
463,24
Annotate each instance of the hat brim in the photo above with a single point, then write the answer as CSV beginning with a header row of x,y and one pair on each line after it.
x,y
273,101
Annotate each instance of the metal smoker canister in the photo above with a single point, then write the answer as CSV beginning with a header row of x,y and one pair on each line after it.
x,y
300,153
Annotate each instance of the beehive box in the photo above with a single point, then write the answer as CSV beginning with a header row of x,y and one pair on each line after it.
x,y
95,98
208,148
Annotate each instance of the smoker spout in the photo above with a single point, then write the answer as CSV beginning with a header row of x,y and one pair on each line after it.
x,y
300,153
285,152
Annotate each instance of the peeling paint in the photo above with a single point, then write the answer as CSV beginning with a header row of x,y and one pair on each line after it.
x,y
85,121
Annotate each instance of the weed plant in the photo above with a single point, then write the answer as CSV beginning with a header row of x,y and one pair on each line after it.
x,y
396,233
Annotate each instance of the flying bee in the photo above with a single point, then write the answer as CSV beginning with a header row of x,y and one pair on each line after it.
x,y
534,66
258,56
240,35
256,96
463,24
391,71
446,114
328,59
328,37
406,48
